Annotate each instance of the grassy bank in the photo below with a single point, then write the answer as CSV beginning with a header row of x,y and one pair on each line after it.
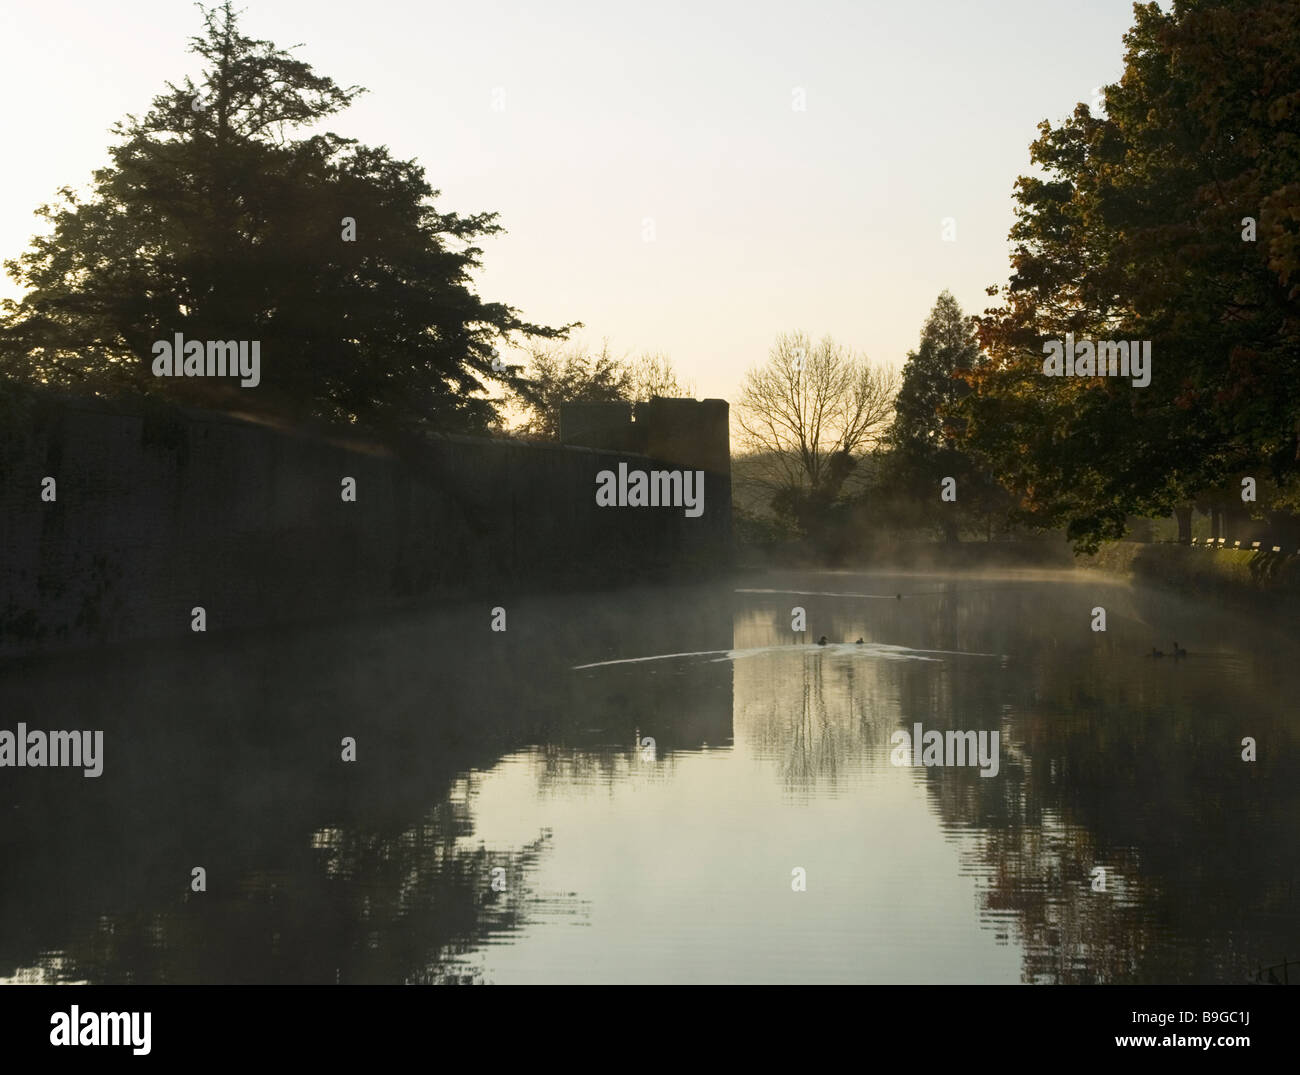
x,y
920,555
1247,576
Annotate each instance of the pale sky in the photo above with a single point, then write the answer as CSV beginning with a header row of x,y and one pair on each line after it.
x,y
765,219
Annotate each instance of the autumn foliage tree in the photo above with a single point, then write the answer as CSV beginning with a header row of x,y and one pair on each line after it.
x,y
1137,229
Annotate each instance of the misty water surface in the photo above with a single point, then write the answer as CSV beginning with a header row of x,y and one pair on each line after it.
x,y
503,822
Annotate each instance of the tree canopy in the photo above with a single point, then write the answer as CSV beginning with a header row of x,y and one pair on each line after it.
x,y
1136,230
222,218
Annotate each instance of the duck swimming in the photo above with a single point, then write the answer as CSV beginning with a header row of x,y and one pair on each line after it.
x,y
859,642
1179,651
821,641
1157,652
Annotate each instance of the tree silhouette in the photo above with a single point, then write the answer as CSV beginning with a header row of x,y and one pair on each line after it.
x,y
574,374
215,222
807,416
926,424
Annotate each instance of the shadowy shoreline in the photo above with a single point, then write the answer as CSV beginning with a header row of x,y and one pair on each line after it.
x,y
1249,579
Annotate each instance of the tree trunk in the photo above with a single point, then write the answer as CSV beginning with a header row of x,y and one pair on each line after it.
x,y
1183,513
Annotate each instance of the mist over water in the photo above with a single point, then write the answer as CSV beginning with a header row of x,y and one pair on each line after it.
x,y
522,753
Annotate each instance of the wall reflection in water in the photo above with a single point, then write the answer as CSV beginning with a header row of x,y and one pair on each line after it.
x,y
226,754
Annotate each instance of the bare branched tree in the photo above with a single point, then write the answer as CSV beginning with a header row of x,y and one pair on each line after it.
x,y
807,417
653,376
574,374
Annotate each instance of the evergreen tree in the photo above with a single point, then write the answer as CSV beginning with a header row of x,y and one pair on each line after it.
x,y
215,222
929,388
922,439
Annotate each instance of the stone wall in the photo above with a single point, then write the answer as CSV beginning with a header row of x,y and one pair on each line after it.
x,y
157,512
